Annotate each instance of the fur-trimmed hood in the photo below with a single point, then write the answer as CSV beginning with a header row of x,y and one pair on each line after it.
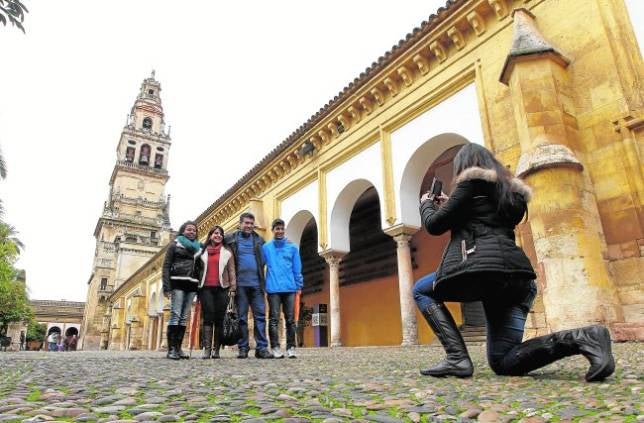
x,y
490,175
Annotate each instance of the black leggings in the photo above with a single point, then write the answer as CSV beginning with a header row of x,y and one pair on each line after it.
x,y
214,301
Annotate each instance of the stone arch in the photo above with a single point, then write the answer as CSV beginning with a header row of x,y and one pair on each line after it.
x,y
71,331
339,239
415,170
295,226
53,329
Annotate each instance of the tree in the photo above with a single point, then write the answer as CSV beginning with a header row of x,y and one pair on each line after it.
x,y
13,11
36,331
14,304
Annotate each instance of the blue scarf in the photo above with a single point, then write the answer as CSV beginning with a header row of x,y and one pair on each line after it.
x,y
192,246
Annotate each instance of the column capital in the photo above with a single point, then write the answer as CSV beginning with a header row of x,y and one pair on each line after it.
x,y
332,257
401,229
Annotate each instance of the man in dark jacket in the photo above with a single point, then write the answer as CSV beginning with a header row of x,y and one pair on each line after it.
x,y
246,245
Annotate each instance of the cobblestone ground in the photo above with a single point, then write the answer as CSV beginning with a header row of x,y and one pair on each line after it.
x,y
346,384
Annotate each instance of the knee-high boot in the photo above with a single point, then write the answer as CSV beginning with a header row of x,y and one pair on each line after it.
x,y
457,362
593,342
172,348
207,341
181,331
217,346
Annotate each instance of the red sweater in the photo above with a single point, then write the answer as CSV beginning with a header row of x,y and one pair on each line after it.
x,y
212,273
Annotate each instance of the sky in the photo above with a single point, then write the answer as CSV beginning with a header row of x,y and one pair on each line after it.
x,y
237,78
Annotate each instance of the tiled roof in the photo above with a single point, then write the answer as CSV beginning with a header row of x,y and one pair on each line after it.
x,y
402,46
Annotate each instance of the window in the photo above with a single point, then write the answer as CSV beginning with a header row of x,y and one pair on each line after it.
x,y
103,284
129,155
159,148
144,156
147,123
158,161
151,92
131,142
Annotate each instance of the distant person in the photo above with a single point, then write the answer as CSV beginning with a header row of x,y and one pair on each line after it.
x,y
246,245
73,342
52,341
283,280
217,286
180,284
483,263
22,340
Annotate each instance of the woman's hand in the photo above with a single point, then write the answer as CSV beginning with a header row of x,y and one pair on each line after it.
x,y
426,196
441,199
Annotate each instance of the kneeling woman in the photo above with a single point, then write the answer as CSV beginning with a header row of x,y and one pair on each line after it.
x,y
483,263
180,285
217,277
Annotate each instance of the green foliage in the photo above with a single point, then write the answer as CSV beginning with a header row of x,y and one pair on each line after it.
x,y
13,11
36,331
14,303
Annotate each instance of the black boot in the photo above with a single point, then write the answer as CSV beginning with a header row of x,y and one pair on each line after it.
x,y
216,347
457,363
172,349
181,331
593,342
207,341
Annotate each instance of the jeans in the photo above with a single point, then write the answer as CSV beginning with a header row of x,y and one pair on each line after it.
x,y
506,303
253,297
180,303
286,301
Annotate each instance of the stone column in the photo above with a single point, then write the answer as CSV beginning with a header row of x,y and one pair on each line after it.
x,y
568,235
402,235
333,259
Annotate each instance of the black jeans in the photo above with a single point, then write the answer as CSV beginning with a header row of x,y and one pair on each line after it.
x,y
506,301
286,300
214,301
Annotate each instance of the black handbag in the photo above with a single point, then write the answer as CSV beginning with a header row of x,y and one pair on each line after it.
x,y
231,332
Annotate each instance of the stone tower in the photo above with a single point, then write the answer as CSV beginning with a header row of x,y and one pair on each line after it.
x,y
135,223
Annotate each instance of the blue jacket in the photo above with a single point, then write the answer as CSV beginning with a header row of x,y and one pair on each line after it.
x,y
284,267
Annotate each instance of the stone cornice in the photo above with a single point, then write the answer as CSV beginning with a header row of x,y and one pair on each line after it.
x,y
131,132
122,166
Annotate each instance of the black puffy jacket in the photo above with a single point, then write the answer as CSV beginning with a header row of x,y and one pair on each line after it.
x,y
179,268
482,240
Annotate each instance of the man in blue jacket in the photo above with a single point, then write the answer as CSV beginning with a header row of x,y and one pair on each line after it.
x,y
283,280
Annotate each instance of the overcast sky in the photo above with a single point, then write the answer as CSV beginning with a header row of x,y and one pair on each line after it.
x,y
237,78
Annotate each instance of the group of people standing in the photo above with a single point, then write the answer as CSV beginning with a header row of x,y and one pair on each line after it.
x,y
237,267
56,342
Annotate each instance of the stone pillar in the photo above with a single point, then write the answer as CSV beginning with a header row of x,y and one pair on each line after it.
x,y
164,326
333,259
567,232
402,235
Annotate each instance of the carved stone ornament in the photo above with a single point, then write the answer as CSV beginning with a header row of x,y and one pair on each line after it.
x,y
547,156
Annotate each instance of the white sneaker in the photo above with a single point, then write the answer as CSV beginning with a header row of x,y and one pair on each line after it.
x,y
291,353
277,352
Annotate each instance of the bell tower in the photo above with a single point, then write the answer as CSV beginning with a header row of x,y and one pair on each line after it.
x,y
135,222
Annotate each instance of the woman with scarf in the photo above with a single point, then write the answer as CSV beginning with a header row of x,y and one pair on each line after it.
x,y
180,284
483,263
216,270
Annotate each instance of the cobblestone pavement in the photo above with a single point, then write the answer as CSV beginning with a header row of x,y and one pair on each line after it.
x,y
345,384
